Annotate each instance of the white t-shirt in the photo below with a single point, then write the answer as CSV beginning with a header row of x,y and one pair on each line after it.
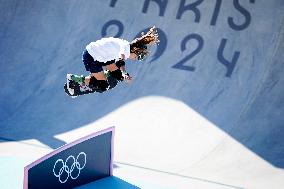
x,y
107,49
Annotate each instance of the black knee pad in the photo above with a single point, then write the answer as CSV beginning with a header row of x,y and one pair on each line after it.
x,y
103,85
93,82
99,85
117,74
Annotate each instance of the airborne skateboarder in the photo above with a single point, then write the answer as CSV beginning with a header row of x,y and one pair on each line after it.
x,y
110,53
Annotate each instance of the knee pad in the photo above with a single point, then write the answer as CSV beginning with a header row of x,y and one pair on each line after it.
x,y
99,85
117,74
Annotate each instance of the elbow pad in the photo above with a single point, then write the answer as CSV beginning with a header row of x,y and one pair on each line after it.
x,y
120,63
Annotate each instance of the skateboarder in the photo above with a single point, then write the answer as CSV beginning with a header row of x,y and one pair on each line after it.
x,y
111,53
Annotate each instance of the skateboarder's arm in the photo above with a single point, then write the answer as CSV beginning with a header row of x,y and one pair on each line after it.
x,y
121,65
122,57
123,69
125,73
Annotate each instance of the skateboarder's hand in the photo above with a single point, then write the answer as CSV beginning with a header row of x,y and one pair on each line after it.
x,y
127,77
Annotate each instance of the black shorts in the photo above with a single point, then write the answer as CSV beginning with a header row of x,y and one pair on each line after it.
x,y
92,65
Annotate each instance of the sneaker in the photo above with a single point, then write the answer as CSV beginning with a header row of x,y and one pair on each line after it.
x,y
68,91
70,86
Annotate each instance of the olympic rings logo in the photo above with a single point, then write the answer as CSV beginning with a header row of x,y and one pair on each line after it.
x,y
70,168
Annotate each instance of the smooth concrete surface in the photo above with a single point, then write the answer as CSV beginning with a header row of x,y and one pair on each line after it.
x,y
108,182
204,111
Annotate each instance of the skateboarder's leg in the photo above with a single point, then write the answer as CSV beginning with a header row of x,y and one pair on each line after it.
x,y
115,72
97,79
98,85
112,67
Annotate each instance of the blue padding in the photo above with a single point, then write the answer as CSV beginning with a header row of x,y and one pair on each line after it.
x,y
108,183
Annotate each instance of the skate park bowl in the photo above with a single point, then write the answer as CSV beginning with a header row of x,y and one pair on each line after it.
x,y
205,110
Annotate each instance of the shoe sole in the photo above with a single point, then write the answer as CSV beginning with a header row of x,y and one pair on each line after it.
x,y
68,78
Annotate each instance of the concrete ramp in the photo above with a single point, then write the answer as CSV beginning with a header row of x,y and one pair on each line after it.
x,y
211,90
